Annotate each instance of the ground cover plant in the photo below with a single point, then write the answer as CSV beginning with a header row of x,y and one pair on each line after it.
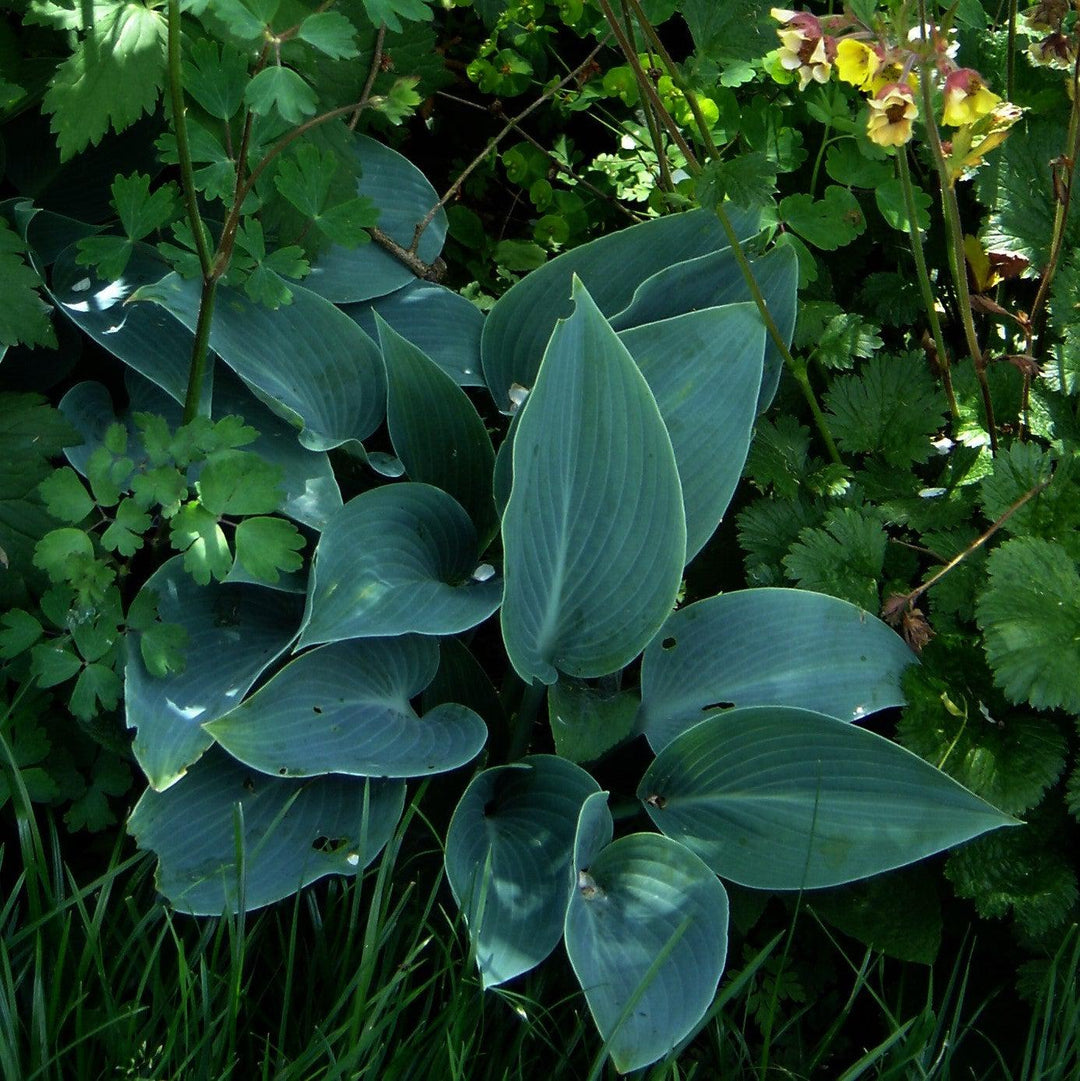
x,y
332,505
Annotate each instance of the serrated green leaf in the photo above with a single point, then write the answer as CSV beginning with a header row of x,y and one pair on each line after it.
x,y
98,687
65,496
1053,513
112,78
20,631
239,482
844,557
215,76
1030,616
1010,760
748,180
767,529
890,406
266,545
844,337
281,90
827,223
195,532
392,12
141,212
1019,873
400,101
331,33
24,316
109,255
778,455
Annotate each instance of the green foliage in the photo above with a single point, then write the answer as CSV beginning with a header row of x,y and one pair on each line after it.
x,y
25,316
112,78
1030,614
625,382
889,407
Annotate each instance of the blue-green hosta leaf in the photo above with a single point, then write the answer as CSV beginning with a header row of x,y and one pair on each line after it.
x,y
508,858
345,708
713,280
756,647
235,632
594,534
705,370
777,798
144,336
611,268
436,431
404,197
595,829
291,833
394,560
646,933
445,326
307,360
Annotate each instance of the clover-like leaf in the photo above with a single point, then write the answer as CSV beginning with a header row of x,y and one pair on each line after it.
x,y
265,546
195,532
65,495
280,89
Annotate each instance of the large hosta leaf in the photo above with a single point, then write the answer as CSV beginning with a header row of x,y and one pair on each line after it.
x,y
705,370
404,197
444,325
611,268
784,647
397,559
508,857
646,933
345,708
436,431
594,534
234,632
778,798
144,336
228,837
308,360
714,280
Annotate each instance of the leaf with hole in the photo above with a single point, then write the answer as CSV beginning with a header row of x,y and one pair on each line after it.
x,y
508,857
777,798
345,708
290,833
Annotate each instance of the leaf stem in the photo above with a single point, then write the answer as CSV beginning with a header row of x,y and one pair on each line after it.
x,y
898,601
522,723
924,278
493,142
183,147
955,240
200,350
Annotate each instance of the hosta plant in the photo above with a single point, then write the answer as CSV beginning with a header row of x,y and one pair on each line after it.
x,y
337,647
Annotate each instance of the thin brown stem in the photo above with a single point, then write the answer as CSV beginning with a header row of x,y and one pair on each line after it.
x,y
376,66
493,142
897,602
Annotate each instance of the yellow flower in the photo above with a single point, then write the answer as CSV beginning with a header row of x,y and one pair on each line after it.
x,y
967,98
856,62
889,75
973,142
891,112
804,48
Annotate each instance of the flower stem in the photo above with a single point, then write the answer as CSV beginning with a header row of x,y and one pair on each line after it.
x,y
924,278
200,350
955,242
